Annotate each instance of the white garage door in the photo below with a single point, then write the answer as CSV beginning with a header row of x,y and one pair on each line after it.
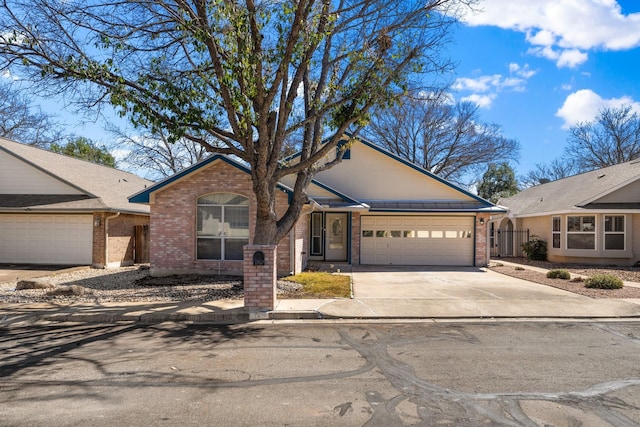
x,y
423,240
46,239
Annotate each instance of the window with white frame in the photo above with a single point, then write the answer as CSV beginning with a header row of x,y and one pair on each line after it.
x,y
581,232
614,233
222,226
556,231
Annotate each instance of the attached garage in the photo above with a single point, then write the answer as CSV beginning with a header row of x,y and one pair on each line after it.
x,y
417,240
46,239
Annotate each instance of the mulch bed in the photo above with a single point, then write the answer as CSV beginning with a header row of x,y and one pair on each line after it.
x,y
571,286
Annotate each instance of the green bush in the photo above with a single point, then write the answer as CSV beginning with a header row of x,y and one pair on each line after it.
x,y
603,281
559,274
535,249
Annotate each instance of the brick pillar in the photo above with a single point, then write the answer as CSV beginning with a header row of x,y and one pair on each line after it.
x,y
482,248
260,281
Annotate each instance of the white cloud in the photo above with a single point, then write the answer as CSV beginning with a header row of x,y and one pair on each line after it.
x,y
584,105
486,88
482,101
563,30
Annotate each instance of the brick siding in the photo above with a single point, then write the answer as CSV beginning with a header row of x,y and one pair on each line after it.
x,y
173,221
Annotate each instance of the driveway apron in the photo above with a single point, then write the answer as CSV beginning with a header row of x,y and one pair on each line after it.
x,y
463,292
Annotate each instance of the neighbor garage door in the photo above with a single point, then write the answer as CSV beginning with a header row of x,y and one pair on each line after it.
x,y
417,240
46,239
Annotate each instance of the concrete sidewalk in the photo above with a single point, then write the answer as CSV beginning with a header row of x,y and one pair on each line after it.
x,y
396,294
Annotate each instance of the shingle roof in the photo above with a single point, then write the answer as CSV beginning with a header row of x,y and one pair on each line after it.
x,y
577,192
107,188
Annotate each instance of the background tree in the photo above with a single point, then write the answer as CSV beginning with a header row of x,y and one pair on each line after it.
x,y
21,121
499,181
244,73
154,155
448,139
85,149
553,171
613,137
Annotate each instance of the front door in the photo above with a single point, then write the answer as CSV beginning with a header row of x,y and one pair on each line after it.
x,y
336,237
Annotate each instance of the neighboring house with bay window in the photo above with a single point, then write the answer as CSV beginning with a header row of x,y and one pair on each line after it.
x,y
372,208
593,217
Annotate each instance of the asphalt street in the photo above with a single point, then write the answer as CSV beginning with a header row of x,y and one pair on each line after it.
x,y
321,373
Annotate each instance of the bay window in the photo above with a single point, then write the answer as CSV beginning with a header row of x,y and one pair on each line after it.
x,y
614,233
581,232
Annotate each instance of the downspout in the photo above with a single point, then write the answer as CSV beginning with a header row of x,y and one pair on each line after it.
x,y
106,238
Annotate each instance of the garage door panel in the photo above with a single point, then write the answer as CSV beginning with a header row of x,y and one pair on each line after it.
x,y
46,239
417,240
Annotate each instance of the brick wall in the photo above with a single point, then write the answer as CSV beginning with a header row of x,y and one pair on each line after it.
x,y
121,238
482,253
355,238
173,221
260,280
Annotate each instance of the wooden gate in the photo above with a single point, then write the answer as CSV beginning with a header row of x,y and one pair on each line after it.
x,y
508,243
141,244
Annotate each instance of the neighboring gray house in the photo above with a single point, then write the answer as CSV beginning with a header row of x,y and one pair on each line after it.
x,y
56,209
593,217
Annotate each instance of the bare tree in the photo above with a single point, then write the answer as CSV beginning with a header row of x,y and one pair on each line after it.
x,y
546,172
24,122
245,73
613,137
154,155
445,138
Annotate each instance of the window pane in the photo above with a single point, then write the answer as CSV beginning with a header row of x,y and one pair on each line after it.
x,y
367,233
209,221
614,242
573,223
588,223
556,240
223,199
556,223
614,223
409,233
236,220
396,233
209,249
581,241
233,248
381,233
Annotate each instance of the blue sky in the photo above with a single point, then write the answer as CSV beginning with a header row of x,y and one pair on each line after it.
x,y
537,67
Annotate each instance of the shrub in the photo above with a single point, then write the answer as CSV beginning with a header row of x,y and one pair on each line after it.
x,y
603,281
518,268
559,274
578,279
535,249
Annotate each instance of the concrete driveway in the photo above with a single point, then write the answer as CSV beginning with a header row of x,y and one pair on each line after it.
x,y
10,272
452,292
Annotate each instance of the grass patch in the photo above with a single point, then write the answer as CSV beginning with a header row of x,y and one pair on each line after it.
x,y
320,284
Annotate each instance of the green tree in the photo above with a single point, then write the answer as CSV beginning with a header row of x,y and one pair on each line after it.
x,y
238,77
499,181
85,149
